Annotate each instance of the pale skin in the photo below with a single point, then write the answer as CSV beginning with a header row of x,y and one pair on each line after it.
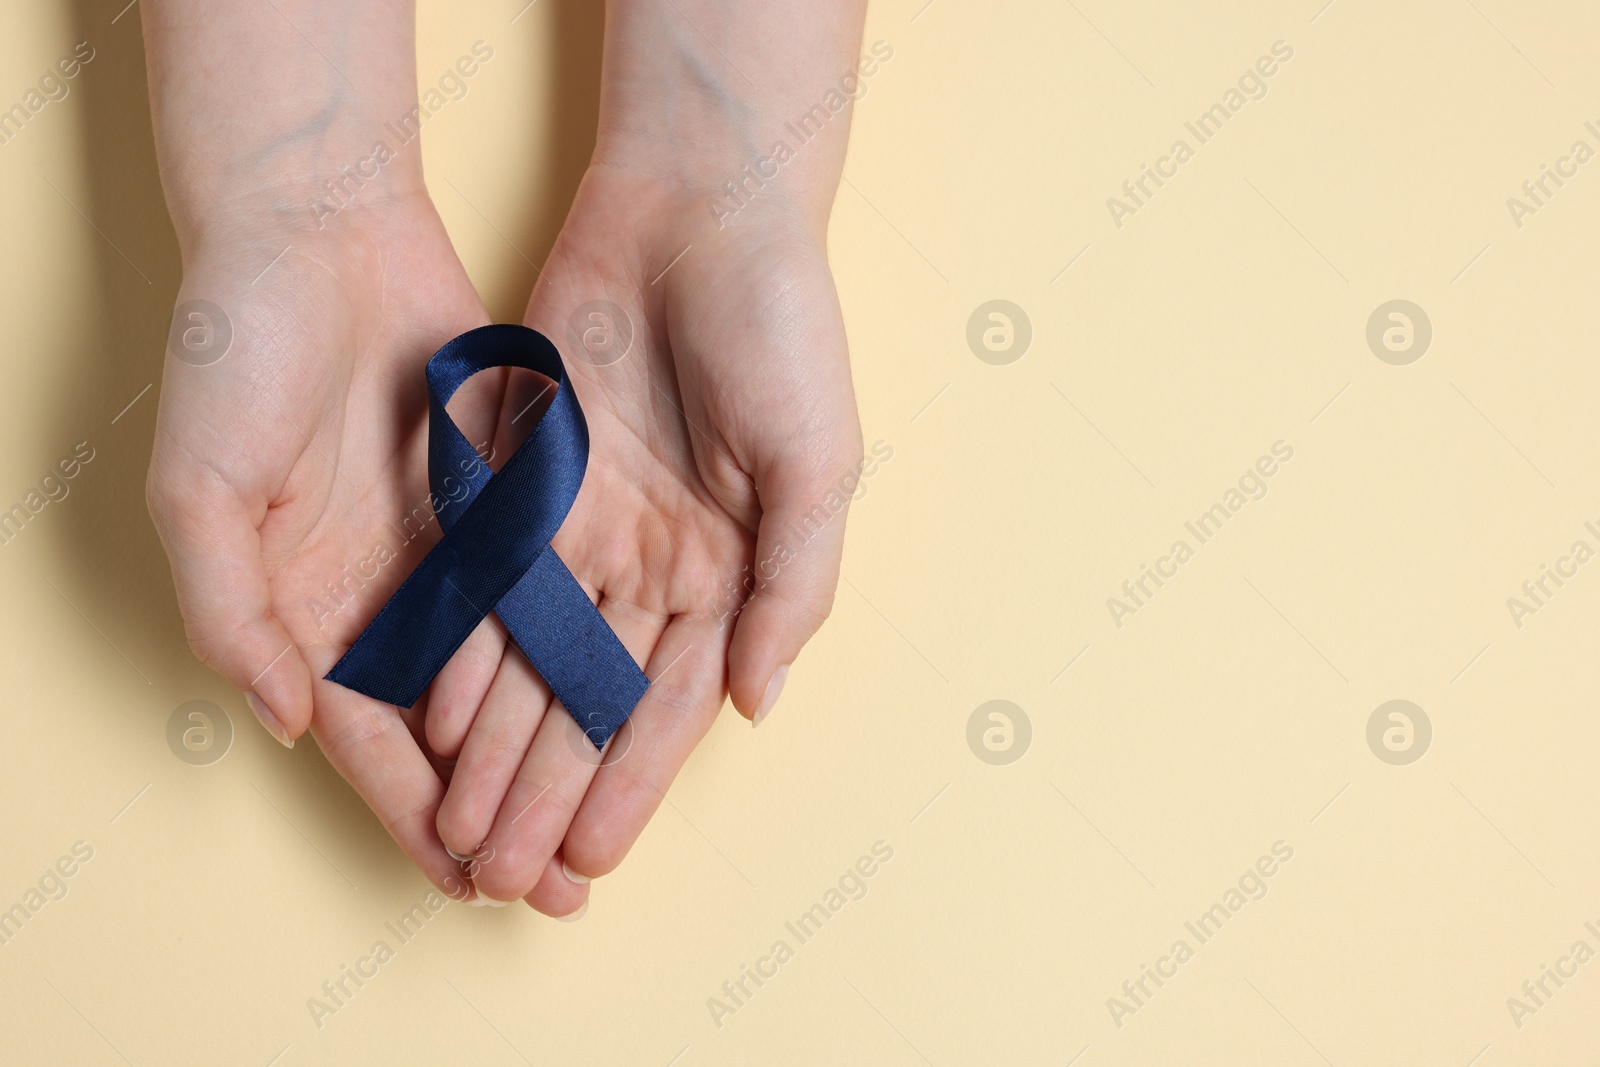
x,y
731,418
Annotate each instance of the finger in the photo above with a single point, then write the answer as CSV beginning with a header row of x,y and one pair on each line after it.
x,y
558,769
804,498
460,689
370,745
493,752
558,893
537,808
686,692
415,719
213,545
503,407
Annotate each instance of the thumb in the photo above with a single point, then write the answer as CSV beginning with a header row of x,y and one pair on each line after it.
x,y
799,542
215,552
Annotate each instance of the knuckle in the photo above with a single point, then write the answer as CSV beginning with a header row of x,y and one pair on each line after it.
x,y
160,495
597,844
822,607
459,829
597,849
675,695
809,608
204,647
508,877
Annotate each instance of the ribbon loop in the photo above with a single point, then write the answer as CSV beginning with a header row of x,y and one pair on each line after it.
x,y
495,554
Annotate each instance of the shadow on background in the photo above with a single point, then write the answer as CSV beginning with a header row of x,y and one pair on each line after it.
x,y
114,570
571,82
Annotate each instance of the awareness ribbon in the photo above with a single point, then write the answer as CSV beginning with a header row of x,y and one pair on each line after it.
x,y
495,554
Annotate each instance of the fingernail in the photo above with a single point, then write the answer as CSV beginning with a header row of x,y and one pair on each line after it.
x,y
458,857
575,916
572,875
770,697
496,903
478,902
269,720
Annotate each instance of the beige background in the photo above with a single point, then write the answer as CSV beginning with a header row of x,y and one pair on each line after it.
x,y
1228,714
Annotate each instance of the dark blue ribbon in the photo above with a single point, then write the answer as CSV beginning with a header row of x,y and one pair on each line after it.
x,y
495,554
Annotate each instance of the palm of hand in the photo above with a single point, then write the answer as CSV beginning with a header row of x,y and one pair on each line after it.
x,y
294,480
289,479
695,433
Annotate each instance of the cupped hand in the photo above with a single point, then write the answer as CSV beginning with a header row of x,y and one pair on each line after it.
x,y
289,477
724,449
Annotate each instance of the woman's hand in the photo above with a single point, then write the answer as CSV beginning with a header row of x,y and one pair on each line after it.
x,y
289,477
724,448
725,442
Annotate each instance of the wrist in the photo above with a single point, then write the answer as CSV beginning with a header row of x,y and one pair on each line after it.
x,y
335,189
733,116
260,111
714,183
